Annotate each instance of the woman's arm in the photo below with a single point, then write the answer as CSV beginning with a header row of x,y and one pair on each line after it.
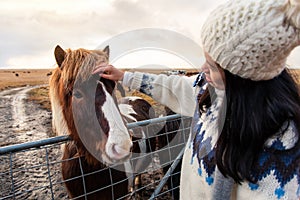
x,y
175,92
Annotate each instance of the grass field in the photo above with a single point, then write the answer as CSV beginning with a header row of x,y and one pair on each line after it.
x,y
17,78
22,77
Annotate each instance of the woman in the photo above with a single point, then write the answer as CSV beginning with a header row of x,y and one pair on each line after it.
x,y
245,137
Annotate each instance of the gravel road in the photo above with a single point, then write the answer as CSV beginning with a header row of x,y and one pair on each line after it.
x,y
23,121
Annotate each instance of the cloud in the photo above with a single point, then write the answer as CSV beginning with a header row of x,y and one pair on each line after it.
x,y
32,29
26,31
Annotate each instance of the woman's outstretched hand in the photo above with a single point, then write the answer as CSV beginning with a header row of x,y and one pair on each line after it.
x,y
109,72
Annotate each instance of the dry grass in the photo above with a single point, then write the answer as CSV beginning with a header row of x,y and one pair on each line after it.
x,y
41,96
17,78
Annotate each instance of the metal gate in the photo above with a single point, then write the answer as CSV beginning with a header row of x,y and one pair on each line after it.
x,y
32,170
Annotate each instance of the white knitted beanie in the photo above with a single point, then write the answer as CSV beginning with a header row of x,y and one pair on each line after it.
x,y
253,38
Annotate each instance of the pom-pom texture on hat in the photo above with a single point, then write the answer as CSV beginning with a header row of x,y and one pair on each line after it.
x,y
252,38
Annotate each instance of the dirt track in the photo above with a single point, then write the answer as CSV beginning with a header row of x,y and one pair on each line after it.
x,y
23,121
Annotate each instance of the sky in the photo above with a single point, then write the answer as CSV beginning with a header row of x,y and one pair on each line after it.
x,y
31,29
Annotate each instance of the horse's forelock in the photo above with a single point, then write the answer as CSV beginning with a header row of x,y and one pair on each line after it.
x,y
79,64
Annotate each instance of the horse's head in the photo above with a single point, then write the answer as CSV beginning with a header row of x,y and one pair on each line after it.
x,y
136,108
89,106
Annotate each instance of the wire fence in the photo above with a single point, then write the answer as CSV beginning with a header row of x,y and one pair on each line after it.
x,y
33,170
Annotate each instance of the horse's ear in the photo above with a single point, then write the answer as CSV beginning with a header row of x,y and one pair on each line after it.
x,y
106,50
59,55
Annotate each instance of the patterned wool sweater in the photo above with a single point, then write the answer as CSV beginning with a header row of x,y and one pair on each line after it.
x,y
278,168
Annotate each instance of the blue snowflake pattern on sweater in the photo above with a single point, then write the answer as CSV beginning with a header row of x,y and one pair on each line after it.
x,y
280,158
285,162
146,85
202,147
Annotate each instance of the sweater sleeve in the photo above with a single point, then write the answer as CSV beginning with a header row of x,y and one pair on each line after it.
x,y
175,92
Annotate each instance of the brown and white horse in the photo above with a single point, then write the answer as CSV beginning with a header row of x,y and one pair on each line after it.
x,y
136,109
167,139
84,107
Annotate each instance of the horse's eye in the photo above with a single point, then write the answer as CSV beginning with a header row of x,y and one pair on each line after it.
x,y
77,94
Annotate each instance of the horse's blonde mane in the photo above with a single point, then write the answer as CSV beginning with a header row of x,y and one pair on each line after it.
x,y
80,64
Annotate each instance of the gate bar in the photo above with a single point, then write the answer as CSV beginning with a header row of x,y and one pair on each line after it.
x,y
28,145
163,181
57,139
